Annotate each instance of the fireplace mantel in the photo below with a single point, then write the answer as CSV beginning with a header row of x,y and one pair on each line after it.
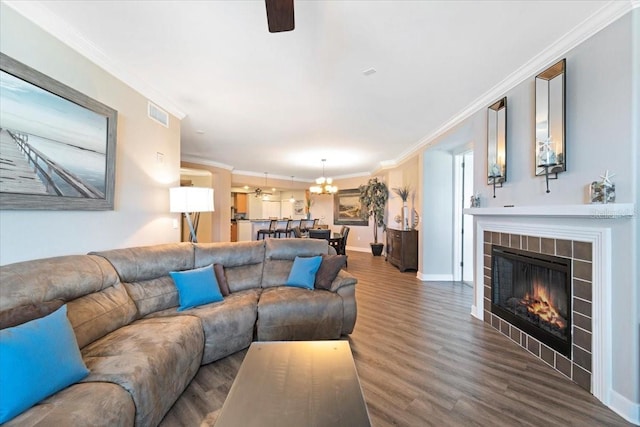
x,y
607,211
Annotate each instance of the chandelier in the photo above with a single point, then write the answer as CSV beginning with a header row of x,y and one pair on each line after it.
x,y
323,185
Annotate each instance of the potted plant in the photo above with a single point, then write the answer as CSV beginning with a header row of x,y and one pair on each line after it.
x,y
307,206
404,192
373,197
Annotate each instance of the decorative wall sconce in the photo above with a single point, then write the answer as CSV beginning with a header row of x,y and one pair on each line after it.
x,y
550,146
497,144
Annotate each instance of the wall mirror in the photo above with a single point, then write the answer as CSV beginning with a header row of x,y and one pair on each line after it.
x,y
550,120
497,143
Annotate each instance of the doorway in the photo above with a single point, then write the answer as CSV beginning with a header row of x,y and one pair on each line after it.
x,y
463,224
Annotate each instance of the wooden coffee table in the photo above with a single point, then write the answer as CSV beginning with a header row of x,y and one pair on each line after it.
x,y
296,383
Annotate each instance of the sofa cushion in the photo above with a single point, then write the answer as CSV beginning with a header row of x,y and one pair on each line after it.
x,y
95,315
64,278
287,313
228,326
85,404
329,269
18,315
196,287
153,295
218,269
153,359
280,254
144,272
303,272
243,261
149,262
37,359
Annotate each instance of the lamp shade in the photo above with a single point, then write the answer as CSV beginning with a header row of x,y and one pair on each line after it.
x,y
191,199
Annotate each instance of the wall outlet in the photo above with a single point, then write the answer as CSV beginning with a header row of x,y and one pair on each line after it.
x,y
175,224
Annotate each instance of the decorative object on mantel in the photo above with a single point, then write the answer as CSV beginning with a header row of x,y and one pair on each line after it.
x,y
475,200
373,197
550,151
404,192
497,144
604,191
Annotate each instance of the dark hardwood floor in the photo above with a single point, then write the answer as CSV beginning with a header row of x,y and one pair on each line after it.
x,y
423,360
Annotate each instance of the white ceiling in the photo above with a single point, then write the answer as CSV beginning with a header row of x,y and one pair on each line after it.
x,y
256,101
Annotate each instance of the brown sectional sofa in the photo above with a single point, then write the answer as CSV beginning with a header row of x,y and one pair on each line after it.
x,y
140,351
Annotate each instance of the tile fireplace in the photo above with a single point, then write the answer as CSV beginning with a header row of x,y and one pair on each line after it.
x,y
538,292
583,235
533,292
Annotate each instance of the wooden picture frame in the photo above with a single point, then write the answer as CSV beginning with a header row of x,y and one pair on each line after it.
x,y
347,208
58,145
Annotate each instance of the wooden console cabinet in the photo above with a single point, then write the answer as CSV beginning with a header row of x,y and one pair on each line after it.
x,y
402,249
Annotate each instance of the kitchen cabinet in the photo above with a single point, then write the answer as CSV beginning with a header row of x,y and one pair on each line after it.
x,y
234,231
240,202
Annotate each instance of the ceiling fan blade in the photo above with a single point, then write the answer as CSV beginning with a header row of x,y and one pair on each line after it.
x,y
280,15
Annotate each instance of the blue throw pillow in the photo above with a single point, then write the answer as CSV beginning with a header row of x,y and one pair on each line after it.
x,y
303,272
37,359
196,287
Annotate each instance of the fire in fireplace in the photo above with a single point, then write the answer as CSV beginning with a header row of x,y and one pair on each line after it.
x,y
533,292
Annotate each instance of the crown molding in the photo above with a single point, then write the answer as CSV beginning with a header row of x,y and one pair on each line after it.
x,y
200,161
600,19
58,28
270,175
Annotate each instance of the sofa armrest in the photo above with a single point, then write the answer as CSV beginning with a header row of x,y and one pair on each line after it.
x,y
342,279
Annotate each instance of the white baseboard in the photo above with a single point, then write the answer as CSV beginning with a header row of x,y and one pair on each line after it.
x,y
478,314
622,406
435,277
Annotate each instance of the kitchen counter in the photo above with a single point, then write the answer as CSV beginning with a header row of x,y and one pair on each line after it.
x,y
248,228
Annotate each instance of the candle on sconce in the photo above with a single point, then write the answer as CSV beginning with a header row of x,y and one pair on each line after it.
x,y
547,156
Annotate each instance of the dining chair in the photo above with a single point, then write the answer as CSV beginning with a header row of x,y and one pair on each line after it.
x,y
343,244
296,232
286,230
271,231
305,225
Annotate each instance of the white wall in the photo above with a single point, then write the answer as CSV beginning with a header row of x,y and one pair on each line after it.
x,y
141,209
437,220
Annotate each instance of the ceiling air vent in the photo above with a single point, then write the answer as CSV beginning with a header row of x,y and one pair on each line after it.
x,y
158,114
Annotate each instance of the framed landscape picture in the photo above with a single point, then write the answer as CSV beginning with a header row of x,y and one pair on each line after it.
x,y
347,209
57,145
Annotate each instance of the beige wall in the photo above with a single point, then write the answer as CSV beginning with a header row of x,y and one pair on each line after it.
x,y
141,213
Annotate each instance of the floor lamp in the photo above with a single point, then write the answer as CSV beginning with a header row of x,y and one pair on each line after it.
x,y
190,200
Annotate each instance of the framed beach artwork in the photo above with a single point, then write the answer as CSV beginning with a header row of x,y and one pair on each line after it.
x,y
347,209
57,145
